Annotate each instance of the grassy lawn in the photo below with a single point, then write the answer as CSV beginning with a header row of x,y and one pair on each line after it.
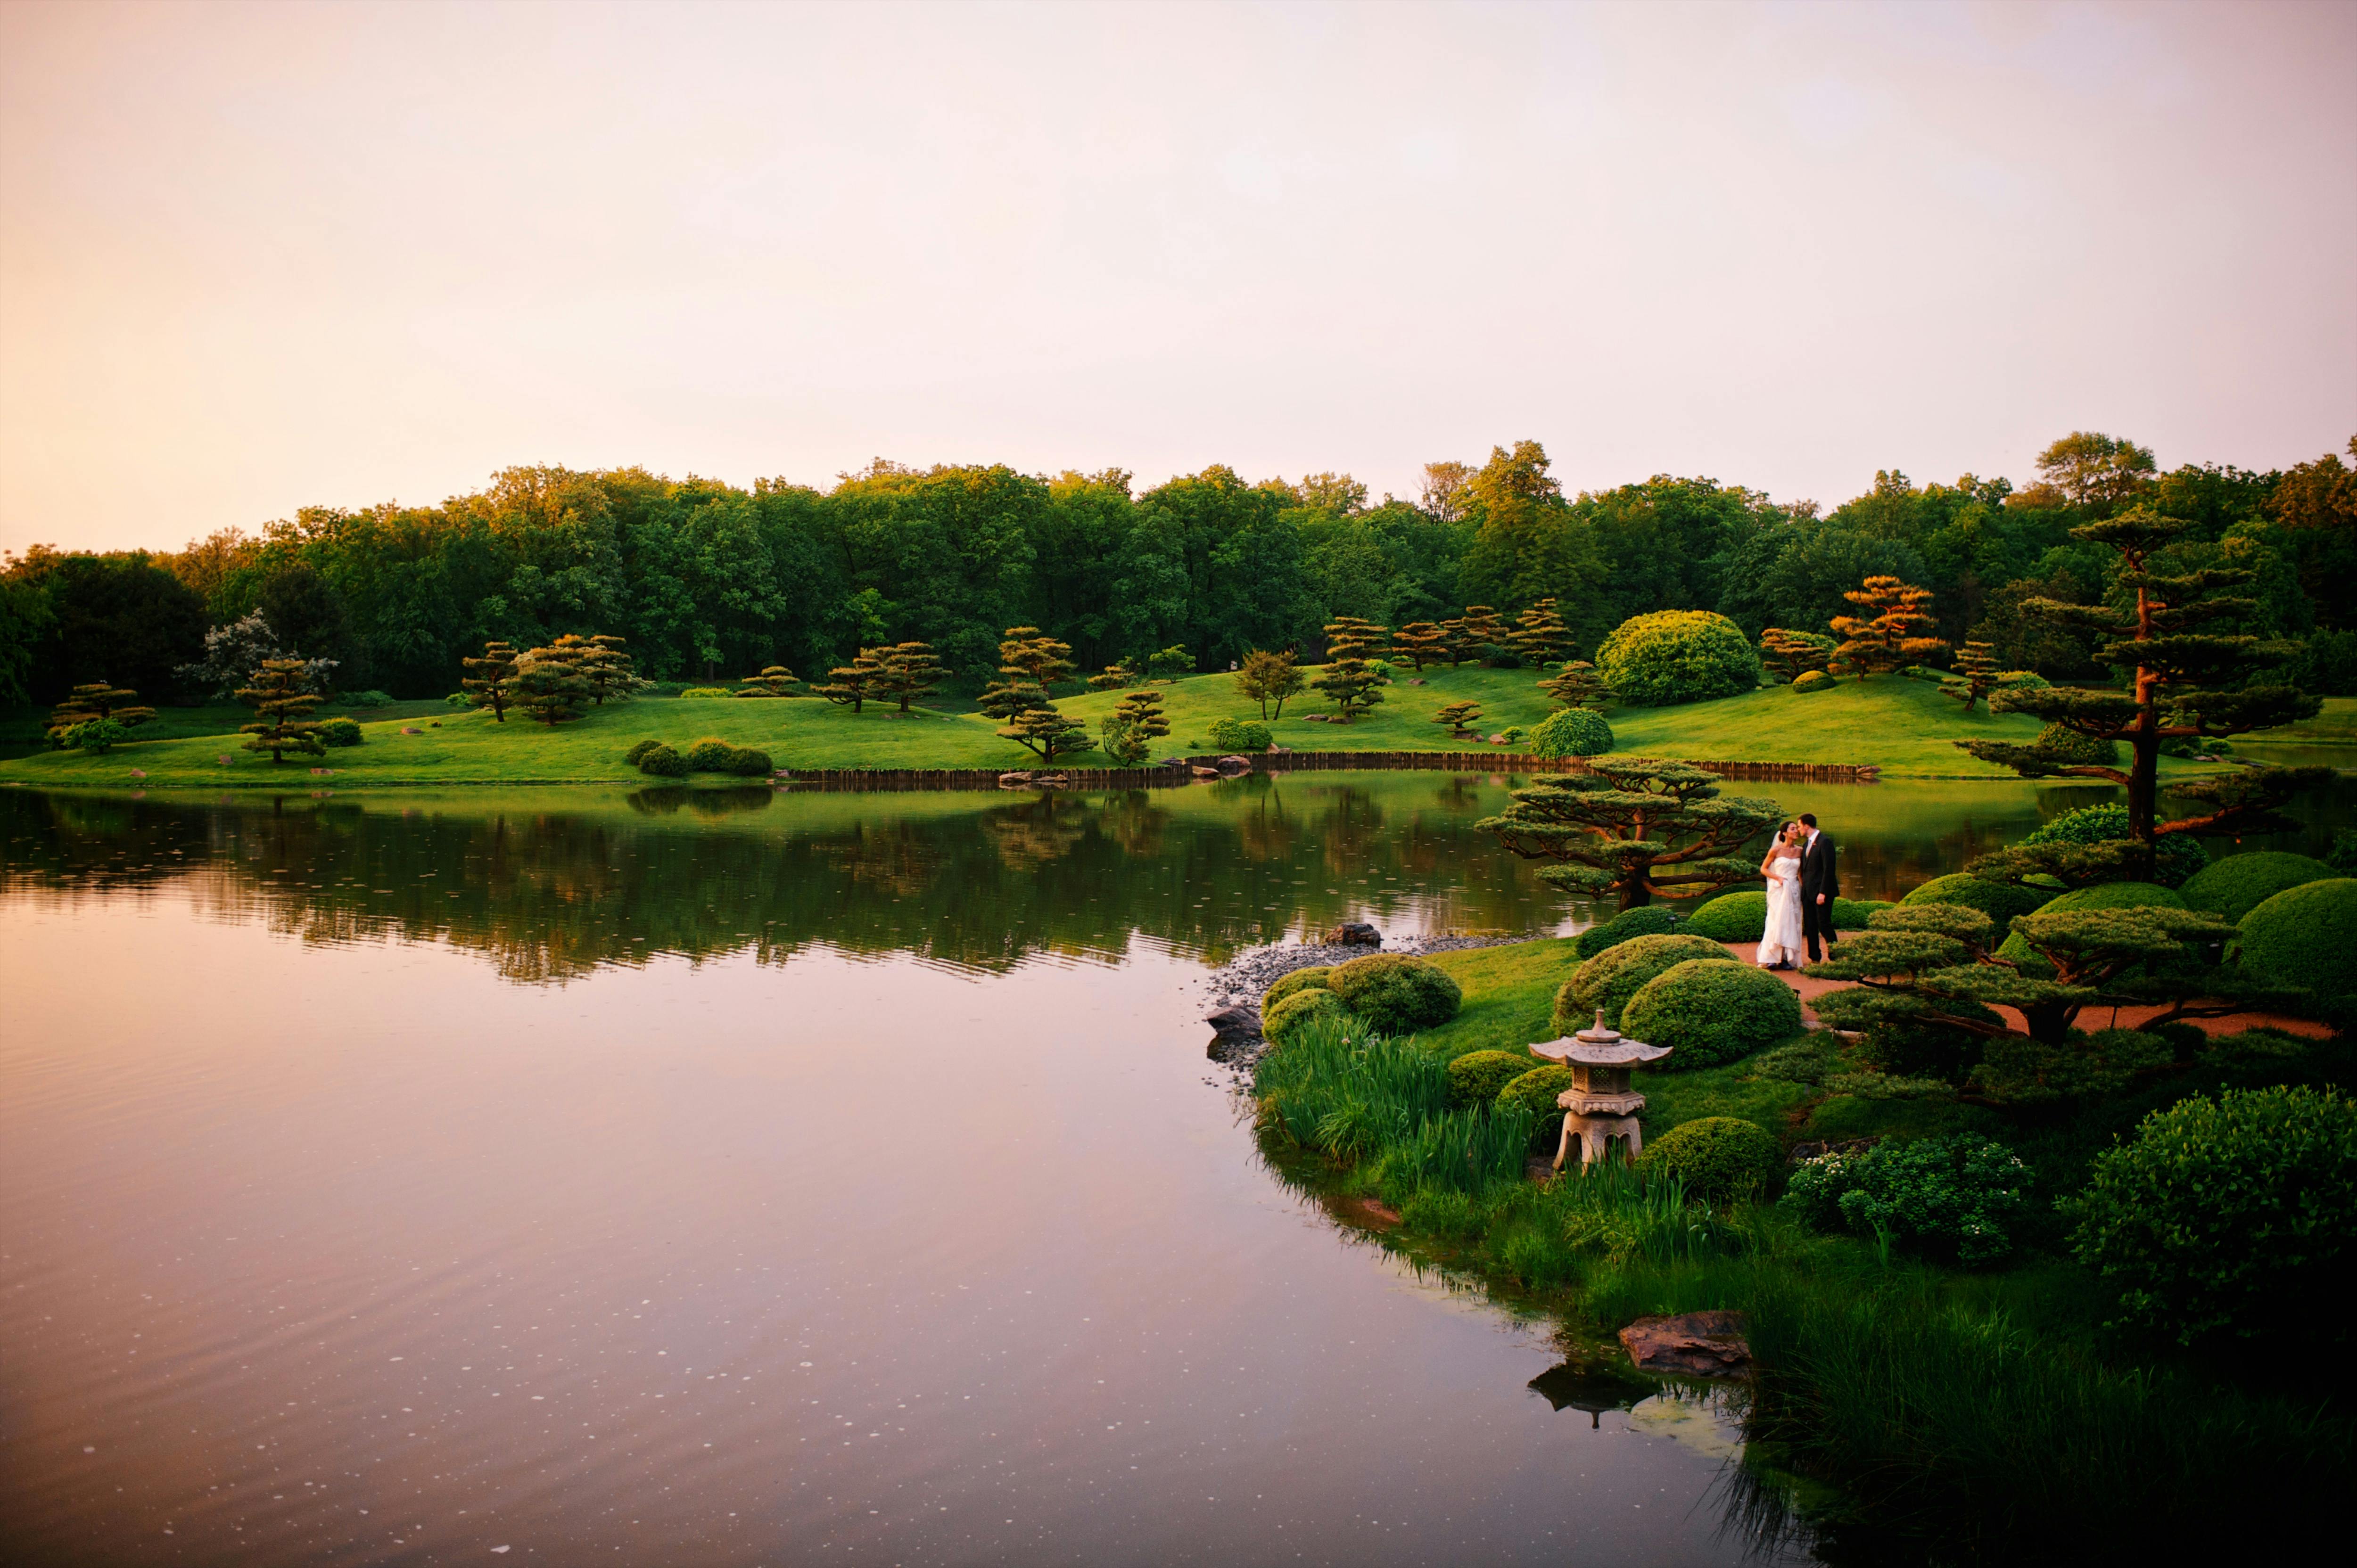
x,y
1903,725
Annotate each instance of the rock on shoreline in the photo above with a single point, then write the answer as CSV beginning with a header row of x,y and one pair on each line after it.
x,y
1236,987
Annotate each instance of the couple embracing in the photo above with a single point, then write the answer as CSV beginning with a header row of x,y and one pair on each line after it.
x,y
1802,888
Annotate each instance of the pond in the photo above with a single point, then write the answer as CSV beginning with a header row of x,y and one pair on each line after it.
x,y
733,1176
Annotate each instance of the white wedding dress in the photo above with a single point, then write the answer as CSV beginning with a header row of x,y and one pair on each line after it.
x,y
1782,941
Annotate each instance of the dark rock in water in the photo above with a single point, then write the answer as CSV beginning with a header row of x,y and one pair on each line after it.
x,y
1357,934
1234,1019
1703,1343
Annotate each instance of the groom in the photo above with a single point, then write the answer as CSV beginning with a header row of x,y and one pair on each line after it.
x,y
1819,887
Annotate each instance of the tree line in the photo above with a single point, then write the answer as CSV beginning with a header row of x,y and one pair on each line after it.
x,y
707,580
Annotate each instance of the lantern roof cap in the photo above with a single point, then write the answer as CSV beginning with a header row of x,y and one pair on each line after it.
x,y
1600,1045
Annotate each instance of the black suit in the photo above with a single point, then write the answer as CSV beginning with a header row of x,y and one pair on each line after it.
x,y
1818,878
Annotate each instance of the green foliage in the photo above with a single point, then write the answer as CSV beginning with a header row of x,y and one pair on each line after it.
x,y
638,749
2067,746
2176,856
548,683
2304,936
1712,1010
661,761
1395,994
1633,827
341,731
1313,1004
1350,676
489,681
1718,1159
2104,895
1893,635
1237,735
1959,1199
1813,680
1578,686
704,693
1789,655
2000,901
2228,1216
711,754
1311,978
1677,656
282,710
1613,976
748,762
2239,884
2020,1070
1328,1085
1731,918
367,699
1645,920
1534,1093
1047,733
1572,732
93,736
1474,1078
1459,718
1266,678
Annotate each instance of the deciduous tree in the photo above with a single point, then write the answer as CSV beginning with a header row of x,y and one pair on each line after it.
x,y
1170,664
1268,678
1634,829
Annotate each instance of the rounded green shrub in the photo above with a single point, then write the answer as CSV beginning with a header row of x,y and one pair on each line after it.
x,y
700,693
1574,732
711,754
1301,1008
640,749
1535,1092
2176,856
1851,914
2000,901
1616,974
1310,979
2240,883
1476,1077
1712,1010
93,736
747,762
2219,1216
1677,656
1957,1197
368,699
2104,895
1716,1158
1395,994
662,762
1645,920
2303,936
2064,744
1730,917
340,732
1813,680
1238,735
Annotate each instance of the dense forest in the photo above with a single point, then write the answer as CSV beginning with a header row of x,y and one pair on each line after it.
x,y
706,580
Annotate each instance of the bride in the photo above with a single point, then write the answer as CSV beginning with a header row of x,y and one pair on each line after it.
x,y
1781,943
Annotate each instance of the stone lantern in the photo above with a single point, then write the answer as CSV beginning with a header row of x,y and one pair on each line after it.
x,y
1600,1106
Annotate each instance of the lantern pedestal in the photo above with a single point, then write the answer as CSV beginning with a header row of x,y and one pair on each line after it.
x,y
1599,1107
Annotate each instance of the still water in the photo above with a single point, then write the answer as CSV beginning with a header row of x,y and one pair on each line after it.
x,y
729,1178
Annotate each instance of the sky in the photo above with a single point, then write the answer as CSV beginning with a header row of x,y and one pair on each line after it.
x,y
256,257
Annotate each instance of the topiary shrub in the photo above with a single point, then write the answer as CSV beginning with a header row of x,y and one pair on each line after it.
x,y
1574,732
1237,735
1301,1008
2066,744
2240,883
1677,656
1616,974
341,731
698,693
2000,901
1474,1078
1534,1093
2176,856
1310,979
2104,895
1395,994
1712,1010
1717,1159
93,736
662,762
2304,936
1851,914
2220,1216
1730,917
747,762
640,749
711,754
1813,680
1645,920
1956,1198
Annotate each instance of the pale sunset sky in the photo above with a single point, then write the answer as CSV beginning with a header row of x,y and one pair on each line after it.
x,y
259,256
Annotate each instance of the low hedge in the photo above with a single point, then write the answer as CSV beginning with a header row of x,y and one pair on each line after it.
x,y
1310,979
661,761
699,693
1574,732
1617,974
639,751
1712,1010
1474,1078
748,762
1716,1158
341,731
1645,920
2000,901
2105,895
1535,1092
1395,994
2240,883
1238,735
2304,936
1301,1007
1730,917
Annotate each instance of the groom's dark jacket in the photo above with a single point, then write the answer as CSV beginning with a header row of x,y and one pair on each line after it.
x,y
1817,875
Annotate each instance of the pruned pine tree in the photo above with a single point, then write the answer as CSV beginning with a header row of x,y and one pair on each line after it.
x,y
774,680
1003,699
1478,627
609,672
1349,678
1539,635
1794,654
1634,829
1268,678
487,678
97,700
1579,685
1972,674
1135,723
857,683
1047,733
2192,680
548,683
1459,718
1891,635
1420,643
1115,677
282,710
1170,664
1030,654
911,671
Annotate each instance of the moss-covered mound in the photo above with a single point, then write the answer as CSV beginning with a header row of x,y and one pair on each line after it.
x,y
1535,1092
1718,1158
2000,901
1646,921
1395,994
1474,1078
1614,976
2304,936
1300,1008
1853,914
1712,1010
2240,883
1310,979
2107,896
1730,917
1677,656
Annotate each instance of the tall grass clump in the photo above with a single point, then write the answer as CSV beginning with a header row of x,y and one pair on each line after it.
x,y
1335,1086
